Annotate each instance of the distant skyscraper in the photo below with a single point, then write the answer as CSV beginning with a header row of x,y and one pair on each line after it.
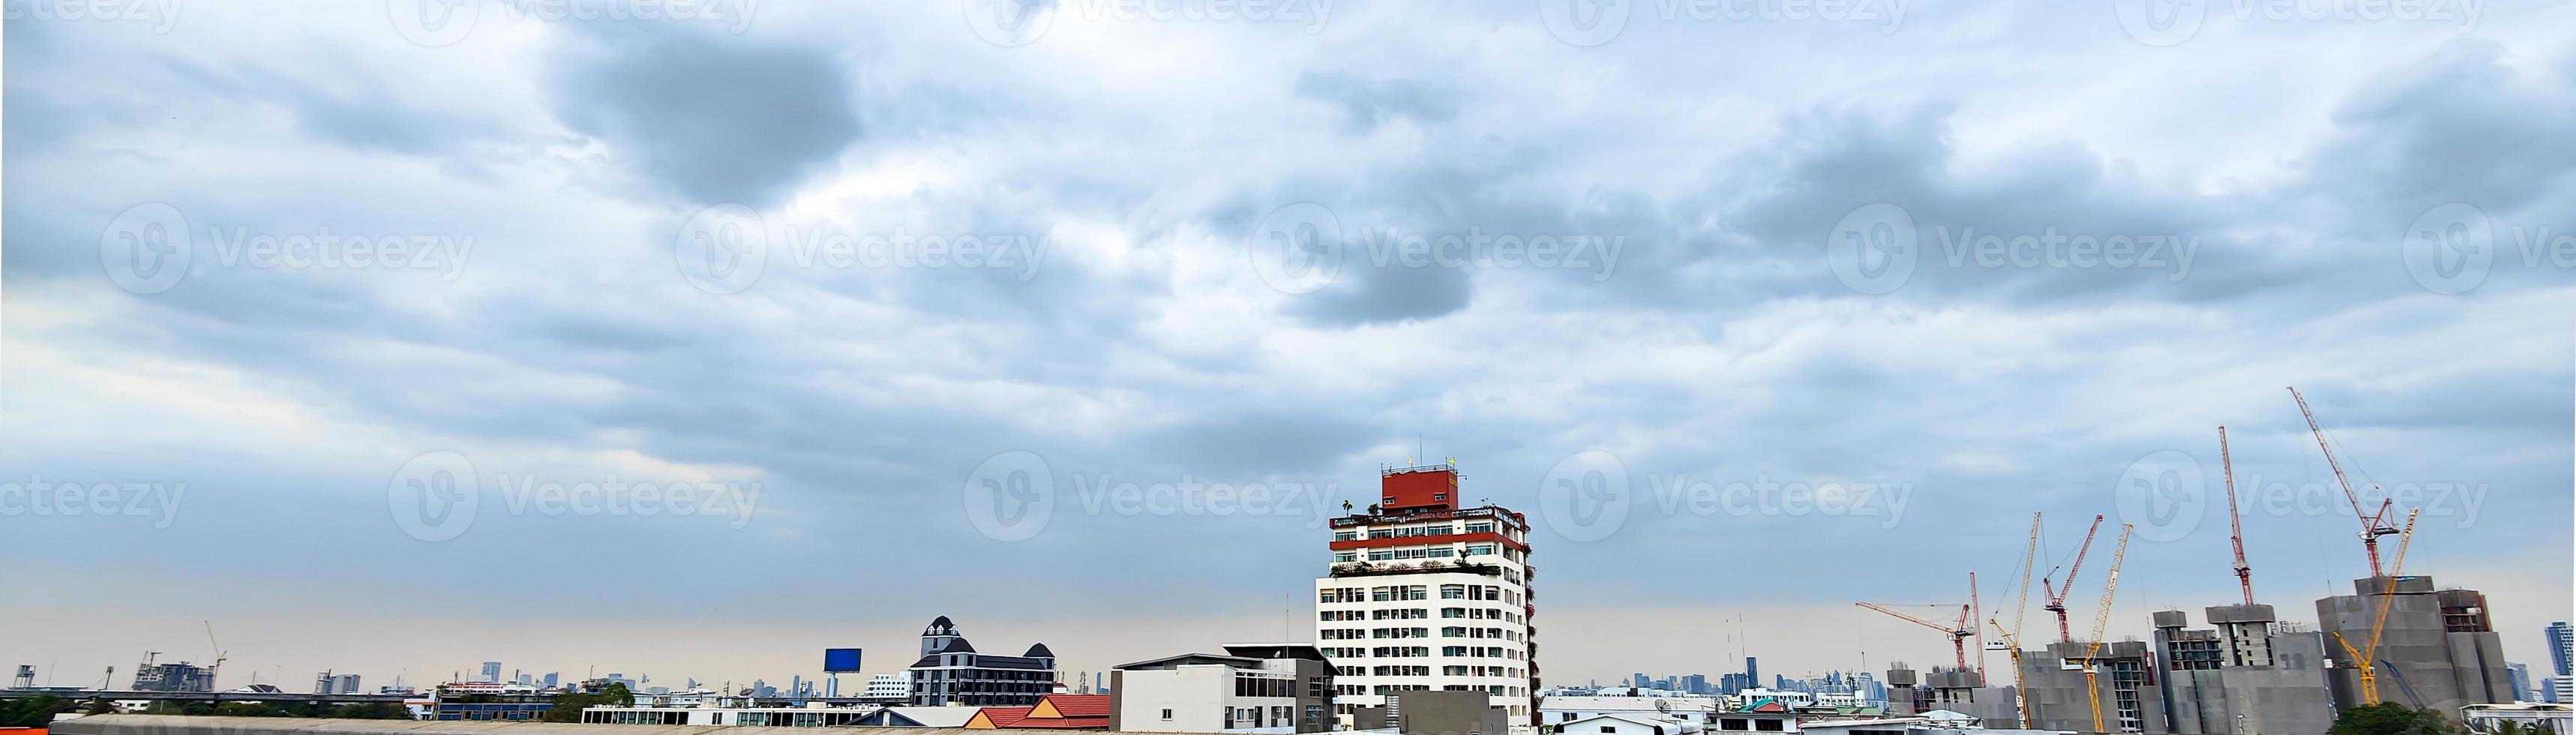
x,y
491,672
1752,672
2518,676
554,679
526,679
2561,638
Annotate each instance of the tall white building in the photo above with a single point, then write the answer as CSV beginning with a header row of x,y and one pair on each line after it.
x,y
890,686
1424,595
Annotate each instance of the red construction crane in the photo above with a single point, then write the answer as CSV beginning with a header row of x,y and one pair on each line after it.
x,y
2235,530
2056,592
2373,525
1958,632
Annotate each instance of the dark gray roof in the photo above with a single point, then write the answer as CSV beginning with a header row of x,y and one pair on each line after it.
x,y
1038,650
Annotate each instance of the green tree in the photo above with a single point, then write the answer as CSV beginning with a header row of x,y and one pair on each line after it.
x,y
568,706
372,711
2391,718
36,711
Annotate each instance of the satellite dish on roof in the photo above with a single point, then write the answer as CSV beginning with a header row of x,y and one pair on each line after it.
x,y
1663,706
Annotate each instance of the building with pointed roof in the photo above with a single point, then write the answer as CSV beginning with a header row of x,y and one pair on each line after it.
x,y
951,671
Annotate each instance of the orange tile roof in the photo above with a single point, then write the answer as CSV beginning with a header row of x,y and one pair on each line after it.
x,y
1060,723
1072,705
997,717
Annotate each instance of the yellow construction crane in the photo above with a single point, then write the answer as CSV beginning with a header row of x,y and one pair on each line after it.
x,y
2021,603
2020,702
2369,681
2101,620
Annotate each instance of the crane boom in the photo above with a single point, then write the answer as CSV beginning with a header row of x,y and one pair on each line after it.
x,y
2373,525
2056,593
2021,602
1969,621
2235,529
1958,633
2367,673
2102,620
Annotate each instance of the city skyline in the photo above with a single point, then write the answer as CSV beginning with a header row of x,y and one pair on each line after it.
x,y
593,425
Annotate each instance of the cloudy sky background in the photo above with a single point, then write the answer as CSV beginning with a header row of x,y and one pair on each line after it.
x,y
580,337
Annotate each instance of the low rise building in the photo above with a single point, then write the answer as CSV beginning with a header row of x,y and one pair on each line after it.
x,y
1256,687
1608,724
1557,710
951,671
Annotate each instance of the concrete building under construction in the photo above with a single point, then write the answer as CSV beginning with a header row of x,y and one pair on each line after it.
x,y
1954,689
2125,681
2437,650
2246,674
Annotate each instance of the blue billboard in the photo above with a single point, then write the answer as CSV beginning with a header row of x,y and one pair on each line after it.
x,y
840,660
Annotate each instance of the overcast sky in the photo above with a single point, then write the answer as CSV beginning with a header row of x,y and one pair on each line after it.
x,y
388,326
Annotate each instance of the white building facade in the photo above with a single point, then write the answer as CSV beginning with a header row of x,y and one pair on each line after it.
x,y
1695,710
1252,688
1423,595
889,686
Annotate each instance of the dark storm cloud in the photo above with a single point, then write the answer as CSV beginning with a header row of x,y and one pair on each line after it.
x,y
713,118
